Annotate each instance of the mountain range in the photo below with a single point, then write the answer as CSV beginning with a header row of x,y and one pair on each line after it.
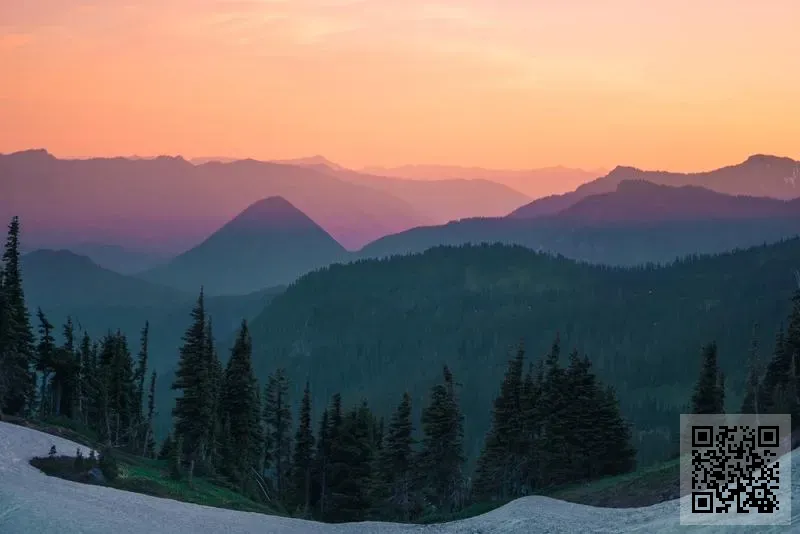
x,y
534,183
758,176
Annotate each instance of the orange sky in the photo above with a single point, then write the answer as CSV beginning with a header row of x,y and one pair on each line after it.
x,y
677,84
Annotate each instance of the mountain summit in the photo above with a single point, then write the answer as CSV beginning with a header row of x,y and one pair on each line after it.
x,y
270,243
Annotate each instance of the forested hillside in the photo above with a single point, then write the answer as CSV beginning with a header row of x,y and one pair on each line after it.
x,y
380,327
450,437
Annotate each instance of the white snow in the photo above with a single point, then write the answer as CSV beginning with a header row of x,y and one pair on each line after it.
x,y
32,502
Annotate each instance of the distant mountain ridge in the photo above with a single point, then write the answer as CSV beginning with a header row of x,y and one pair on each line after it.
x,y
534,183
639,222
169,204
642,201
758,176
268,244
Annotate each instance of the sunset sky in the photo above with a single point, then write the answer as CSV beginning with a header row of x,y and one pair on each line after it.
x,y
678,84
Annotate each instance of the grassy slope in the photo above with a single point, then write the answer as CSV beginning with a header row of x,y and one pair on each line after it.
x,y
140,475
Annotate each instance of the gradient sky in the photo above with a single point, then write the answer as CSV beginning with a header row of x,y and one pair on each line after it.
x,y
677,84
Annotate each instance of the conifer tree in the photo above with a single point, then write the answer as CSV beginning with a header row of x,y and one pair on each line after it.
x,y
149,443
393,490
555,425
18,350
89,393
45,358
278,427
302,459
320,470
500,466
141,372
441,458
239,401
216,379
193,407
776,374
66,367
750,404
350,467
706,398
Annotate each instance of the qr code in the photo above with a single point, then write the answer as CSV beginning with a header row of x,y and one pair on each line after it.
x,y
734,469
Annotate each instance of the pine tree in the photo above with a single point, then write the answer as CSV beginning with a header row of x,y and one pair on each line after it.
x,y
278,427
706,398
750,404
350,467
65,384
18,351
239,403
775,376
321,461
302,459
499,471
216,381
46,351
393,492
148,443
193,407
141,373
441,458
555,429
89,394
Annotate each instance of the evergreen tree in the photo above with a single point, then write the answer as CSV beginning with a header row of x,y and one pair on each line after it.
x,y
65,384
217,375
17,349
239,403
89,393
555,430
393,495
46,351
302,459
141,372
707,398
441,458
278,427
776,374
750,404
117,390
500,466
350,467
320,466
193,407
149,443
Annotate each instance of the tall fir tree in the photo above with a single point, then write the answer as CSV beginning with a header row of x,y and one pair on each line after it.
x,y
500,467
393,494
441,458
193,407
750,404
141,371
319,491
239,402
216,379
45,358
303,456
149,443
350,467
707,397
18,351
278,427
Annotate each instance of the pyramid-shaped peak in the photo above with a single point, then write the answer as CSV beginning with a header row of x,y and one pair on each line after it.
x,y
271,212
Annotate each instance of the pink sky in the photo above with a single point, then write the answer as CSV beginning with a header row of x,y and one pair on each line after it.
x,y
678,84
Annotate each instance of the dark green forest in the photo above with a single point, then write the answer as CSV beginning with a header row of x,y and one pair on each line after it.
x,y
378,328
333,432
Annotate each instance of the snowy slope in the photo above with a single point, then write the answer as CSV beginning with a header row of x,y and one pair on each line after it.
x,y
32,502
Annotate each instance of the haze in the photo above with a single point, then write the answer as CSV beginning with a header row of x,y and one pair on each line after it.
x,y
678,85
